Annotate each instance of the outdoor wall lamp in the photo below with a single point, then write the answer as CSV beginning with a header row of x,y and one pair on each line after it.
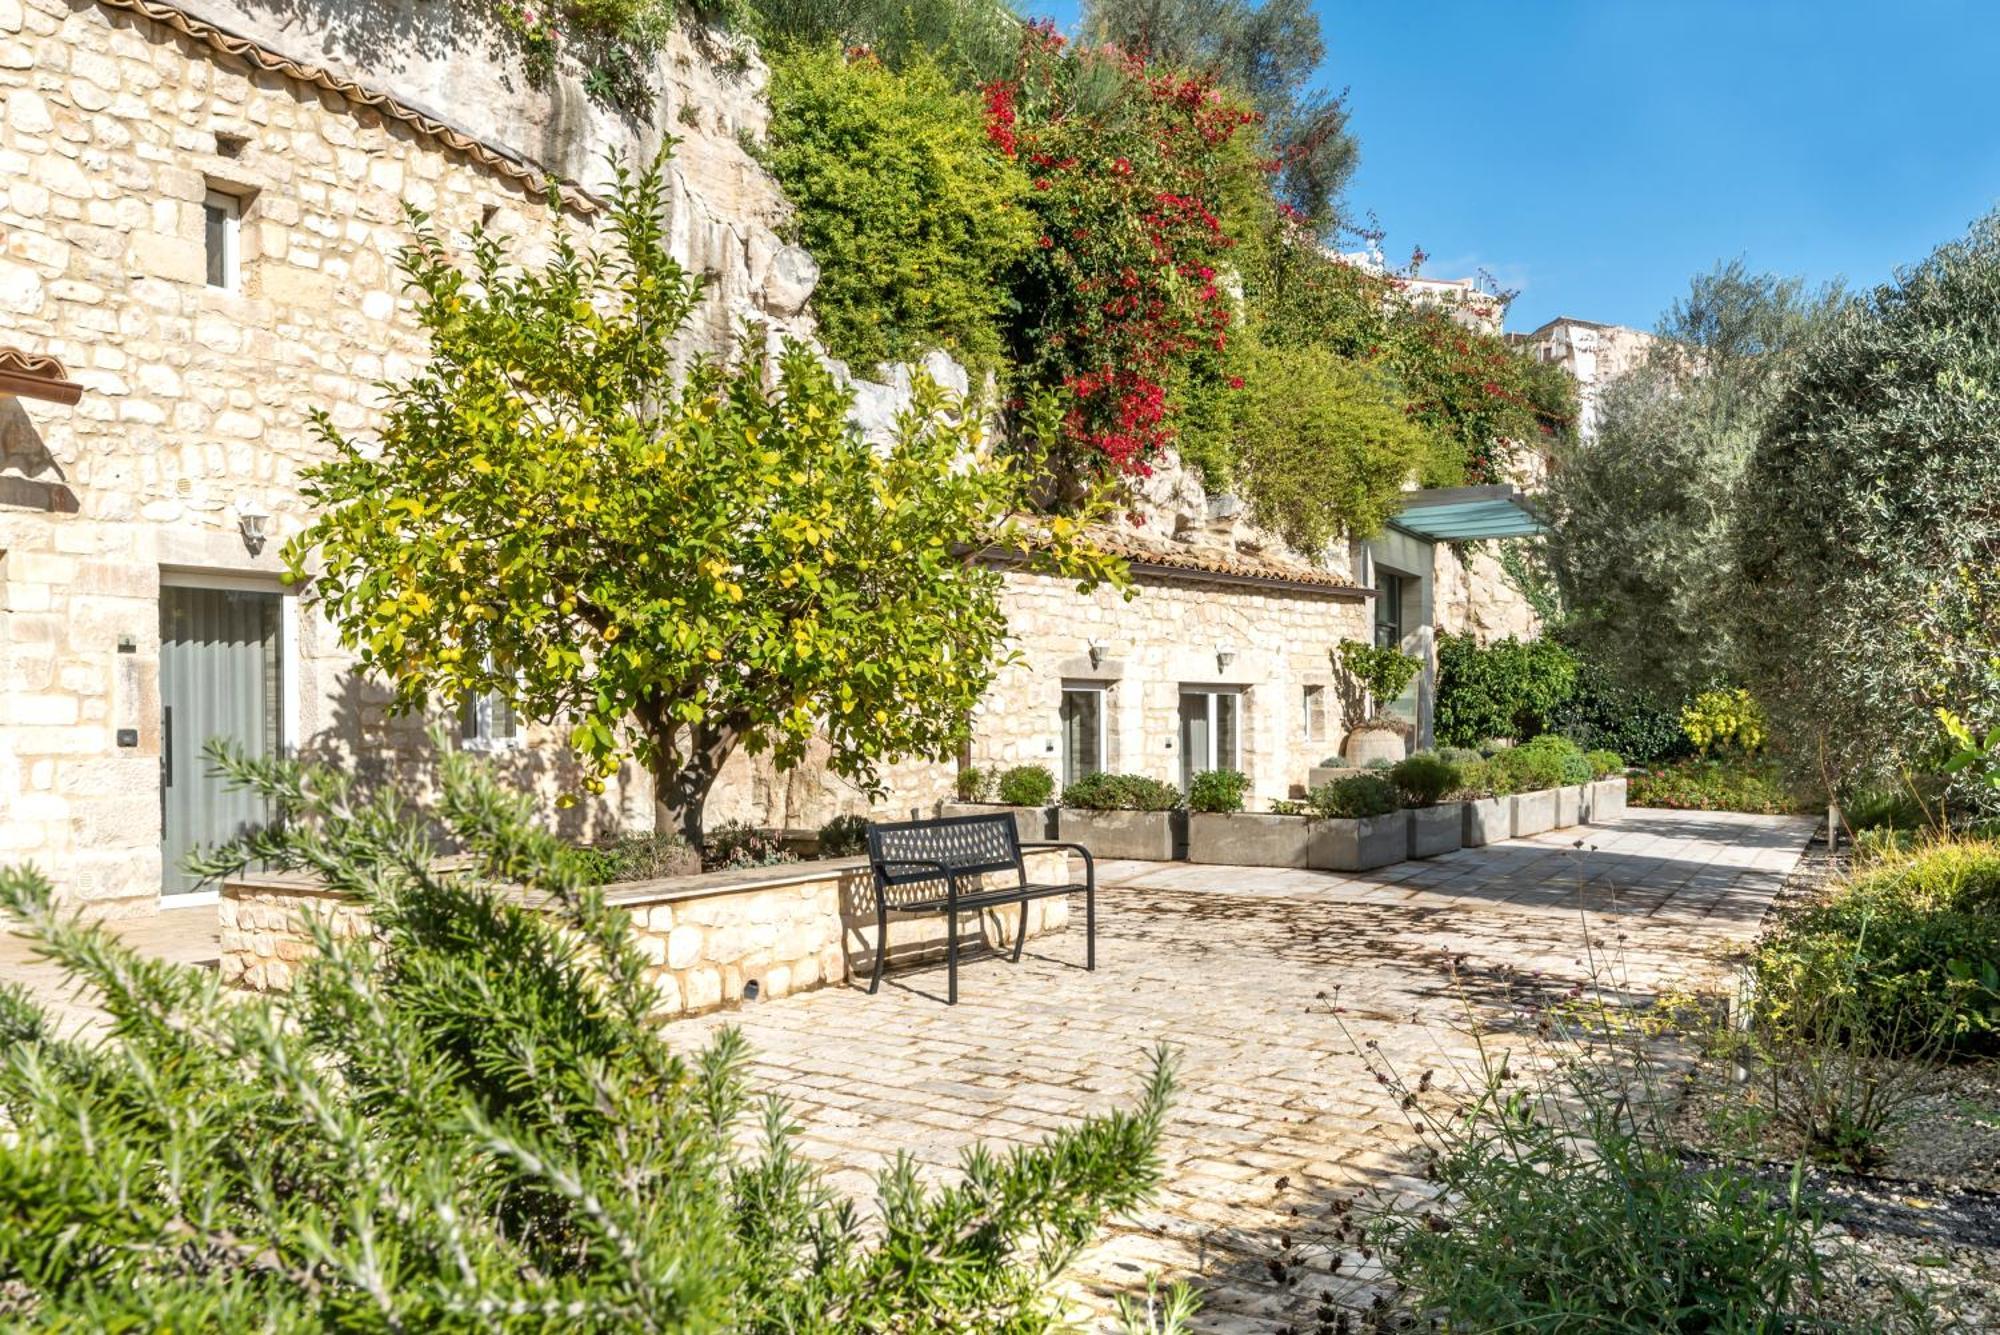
x,y
1224,656
250,522
1098,649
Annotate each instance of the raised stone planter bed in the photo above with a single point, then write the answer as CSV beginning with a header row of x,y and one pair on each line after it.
x,y
1486,820
1534,813
1358,845
1435,830
710,936
1034,823
1321,775
1569,806
1607,800
1147,836
1248,838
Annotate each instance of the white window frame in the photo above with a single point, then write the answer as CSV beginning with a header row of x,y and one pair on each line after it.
x,y
231,207
1103,694
1214,761
1311,693
482,738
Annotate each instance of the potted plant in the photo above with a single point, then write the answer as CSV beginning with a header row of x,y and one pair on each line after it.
x,y
1379,673
1425,782
1605,796
1485,805
1360,825
1221,831
1120,816
1023,790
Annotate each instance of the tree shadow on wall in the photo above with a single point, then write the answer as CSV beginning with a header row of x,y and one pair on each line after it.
x,y
30,477
380,749
381,35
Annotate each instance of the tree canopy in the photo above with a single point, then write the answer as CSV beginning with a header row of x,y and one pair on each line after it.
x,y
672,563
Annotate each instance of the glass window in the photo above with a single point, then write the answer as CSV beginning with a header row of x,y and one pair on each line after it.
x,y
486,722
1210,725
1312,713
1389,610
1082,731
222,218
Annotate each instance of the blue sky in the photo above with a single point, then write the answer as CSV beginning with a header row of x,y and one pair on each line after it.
x,y
1596,153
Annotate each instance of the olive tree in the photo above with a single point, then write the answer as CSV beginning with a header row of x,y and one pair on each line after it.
x,y
675,563
1869,533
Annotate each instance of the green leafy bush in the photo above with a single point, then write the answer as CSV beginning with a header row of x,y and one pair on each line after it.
x,y
1604,764
1915,940
1475,778
1425,778
843,837
735,844
1027,786
470,1119
974,785
1756,786
1383,671
1322,447
1218,790
1121,792
1572,766
1544,762
1505,689
639,857
910,211
1602,713
1727,719
1355,797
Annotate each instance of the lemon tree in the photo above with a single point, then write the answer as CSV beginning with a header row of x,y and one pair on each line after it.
x,y
673,562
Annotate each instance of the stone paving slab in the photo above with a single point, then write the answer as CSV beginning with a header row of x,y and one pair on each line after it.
x,y
1267,981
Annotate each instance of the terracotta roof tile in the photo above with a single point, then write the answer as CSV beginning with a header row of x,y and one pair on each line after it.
x,y
36,376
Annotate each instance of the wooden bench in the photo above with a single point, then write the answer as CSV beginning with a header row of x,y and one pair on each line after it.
x,y
939,856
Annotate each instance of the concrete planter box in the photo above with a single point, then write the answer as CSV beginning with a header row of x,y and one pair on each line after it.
x,y
1534,813
1247,838
1321,775
1358,845
1438,829
1569,806
1145,835
1607,800
1486,820
1032,822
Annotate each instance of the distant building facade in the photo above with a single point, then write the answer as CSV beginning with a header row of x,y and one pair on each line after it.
x,y
1593,353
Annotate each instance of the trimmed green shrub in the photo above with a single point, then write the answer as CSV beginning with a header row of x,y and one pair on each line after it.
x,y
1572,766
1027,786
1915,940
735,844
843,837
1218,790
1756,786
975,785
1355,797
1475,778
639,857
1604,764
911,212
1121,792
1459,755
470,1118
1545,762
1602,714
1505,689
1727,720
1424,778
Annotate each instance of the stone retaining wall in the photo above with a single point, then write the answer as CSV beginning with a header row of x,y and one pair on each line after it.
x,y
786,929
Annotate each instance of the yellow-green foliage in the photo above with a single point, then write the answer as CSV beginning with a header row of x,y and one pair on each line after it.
x,y
912,214
1729,719
1322,445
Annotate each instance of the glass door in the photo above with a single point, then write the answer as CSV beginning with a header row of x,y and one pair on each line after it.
x,y
1209,728
219,677
1082,732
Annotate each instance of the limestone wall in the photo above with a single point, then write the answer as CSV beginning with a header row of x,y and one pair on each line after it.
x,y
1474,595
786,929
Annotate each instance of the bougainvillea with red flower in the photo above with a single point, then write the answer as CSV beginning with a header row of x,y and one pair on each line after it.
x,y
1122,306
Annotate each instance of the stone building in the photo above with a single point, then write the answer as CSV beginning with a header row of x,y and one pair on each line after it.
x,y
1594,354
200,206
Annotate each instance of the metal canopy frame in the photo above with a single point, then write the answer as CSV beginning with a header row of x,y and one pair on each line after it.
x,y
1467,514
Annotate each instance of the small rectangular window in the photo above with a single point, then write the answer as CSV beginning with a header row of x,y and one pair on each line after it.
x,y
1312,713
1082,732
486,722
222,224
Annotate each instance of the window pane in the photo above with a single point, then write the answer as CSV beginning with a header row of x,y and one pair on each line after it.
x,y
215,232
1083,733
1312,713
1194,735
1225,731
1389,612
468,718
502,715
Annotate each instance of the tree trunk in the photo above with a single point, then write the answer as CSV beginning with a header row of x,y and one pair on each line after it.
x,y
686,766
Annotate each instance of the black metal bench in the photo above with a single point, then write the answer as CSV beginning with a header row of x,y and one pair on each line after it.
x,y
942,853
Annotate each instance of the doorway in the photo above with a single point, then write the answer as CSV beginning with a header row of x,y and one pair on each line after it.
x,y
221,676
1209,729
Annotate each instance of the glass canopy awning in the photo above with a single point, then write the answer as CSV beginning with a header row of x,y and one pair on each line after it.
x,y
1464,514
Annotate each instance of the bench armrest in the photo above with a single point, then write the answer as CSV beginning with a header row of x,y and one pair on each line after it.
x,y
1089,863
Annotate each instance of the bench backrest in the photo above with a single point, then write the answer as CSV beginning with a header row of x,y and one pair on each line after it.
x,y
968,845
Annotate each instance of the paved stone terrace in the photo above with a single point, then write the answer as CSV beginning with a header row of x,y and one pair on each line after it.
x,y
1267,981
